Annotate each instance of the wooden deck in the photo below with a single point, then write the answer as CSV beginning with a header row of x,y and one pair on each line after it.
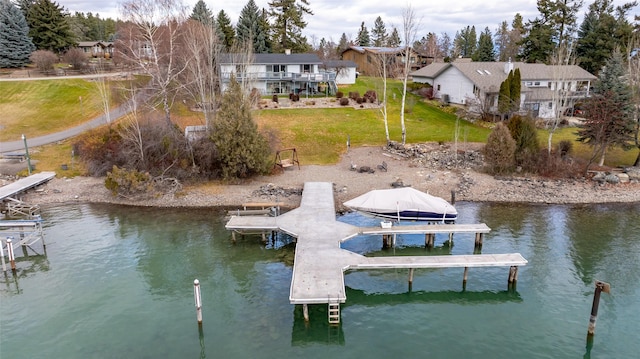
x,y
319,263
25,184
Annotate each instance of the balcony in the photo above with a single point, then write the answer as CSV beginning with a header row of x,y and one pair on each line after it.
x,y
283,76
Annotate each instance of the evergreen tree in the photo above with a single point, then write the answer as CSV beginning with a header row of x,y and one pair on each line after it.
x,y
363,36
602,30
537,45
485,50
250,28
465,41
202,13
523,131
242,150
515,87
48,26
394,39
379,33
610,121
288,23
504,98
499,152
15,43
24,5
265,29
343,44
226,31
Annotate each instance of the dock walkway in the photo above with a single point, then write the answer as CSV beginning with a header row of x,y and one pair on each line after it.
x,y
24,184
320,263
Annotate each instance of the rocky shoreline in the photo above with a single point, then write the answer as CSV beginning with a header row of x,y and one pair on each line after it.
x,y
433,168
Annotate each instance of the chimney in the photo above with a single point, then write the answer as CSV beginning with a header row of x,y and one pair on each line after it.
x,y
508,67
287,51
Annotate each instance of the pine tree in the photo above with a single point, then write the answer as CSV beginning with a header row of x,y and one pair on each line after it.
x,y
465,41
363,36
226,31
242,150
537,45
343,44
610,121
15,43
288,23
379,33
250,28
202,13
394,39
485,51
504,98
48,26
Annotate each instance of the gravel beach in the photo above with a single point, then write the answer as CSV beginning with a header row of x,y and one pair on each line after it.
x,y
435,176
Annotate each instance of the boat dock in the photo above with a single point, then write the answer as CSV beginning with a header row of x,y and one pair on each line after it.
x,y
320,263
25,184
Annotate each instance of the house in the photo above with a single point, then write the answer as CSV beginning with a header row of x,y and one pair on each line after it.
x,y
367,59
345,71
279,73
478,84
97,48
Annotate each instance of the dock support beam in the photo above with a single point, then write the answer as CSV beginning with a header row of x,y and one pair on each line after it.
x,y
429,239
478,243
305,312
387,241
410,278
12,257
4,265
513,275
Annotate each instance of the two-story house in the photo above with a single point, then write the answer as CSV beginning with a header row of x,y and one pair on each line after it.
x,y
471,83
370,58
97,48
279,73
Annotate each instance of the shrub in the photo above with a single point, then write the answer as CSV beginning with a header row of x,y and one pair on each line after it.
x,y
370,96
339,94
76,58
523,131
354,95
499,152
274,98
126,183
359,100
43,59
565,148
344,101
426,92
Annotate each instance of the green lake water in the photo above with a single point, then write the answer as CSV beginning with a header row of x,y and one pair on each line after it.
x,y
117,282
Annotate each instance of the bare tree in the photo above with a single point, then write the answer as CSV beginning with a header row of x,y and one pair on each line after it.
x,y
104,90
43,59
634,80
150,40
200,78
382,64
562,89
409,31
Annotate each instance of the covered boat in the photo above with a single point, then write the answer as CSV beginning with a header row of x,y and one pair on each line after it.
x,y
404,203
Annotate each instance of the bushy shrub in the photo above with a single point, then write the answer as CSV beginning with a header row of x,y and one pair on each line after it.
x,y
354,95
76,58
359,100
523,131
565,147
274,98
43,59
339,94
499,152
370,96
344,101
127,183
426,92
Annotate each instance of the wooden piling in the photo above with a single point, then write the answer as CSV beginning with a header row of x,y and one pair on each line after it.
x,y
464,277
4,265
513,274
411,278
198,299
12,258
453,197
429,238
478,243
600,287
305,312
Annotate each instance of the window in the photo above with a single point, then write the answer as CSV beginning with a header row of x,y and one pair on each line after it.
x,y
537,83
305,69
438,87
276,68
550,105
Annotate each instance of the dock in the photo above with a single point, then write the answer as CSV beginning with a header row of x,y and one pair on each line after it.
x,y
320,263
24,184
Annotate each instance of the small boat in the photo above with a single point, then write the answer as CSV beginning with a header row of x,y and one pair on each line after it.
x,y
404,203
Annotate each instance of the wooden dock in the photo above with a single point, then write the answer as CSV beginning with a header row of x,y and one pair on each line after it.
x,y
25,184
320,263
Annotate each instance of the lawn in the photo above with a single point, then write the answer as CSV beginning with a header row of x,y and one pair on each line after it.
x,y
319,134
36,108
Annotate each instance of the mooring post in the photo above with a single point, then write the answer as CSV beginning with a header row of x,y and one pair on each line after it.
x,y
513,274
453,197
198,299
478,243
410,278
464,277
600,287
305,312
12,258
4,265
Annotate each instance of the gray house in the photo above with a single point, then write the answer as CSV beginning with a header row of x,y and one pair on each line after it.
x,y
279,73
476,83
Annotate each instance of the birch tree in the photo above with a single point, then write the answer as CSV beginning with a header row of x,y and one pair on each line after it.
x,y
150,41
634,80
382,62
562,58
409,31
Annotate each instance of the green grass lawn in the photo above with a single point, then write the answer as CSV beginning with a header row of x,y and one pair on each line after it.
x,y
319,134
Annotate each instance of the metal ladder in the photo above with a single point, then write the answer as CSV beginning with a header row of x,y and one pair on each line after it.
x,y
334,311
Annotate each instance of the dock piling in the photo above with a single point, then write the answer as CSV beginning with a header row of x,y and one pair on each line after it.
x,y
198,299
12,257
4,265
513,274
600,287
410,278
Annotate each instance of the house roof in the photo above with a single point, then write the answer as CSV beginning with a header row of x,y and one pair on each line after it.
x,y
93,43
274,59
374,49
489,75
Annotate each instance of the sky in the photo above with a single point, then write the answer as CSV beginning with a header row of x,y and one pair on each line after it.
x,y
332,18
